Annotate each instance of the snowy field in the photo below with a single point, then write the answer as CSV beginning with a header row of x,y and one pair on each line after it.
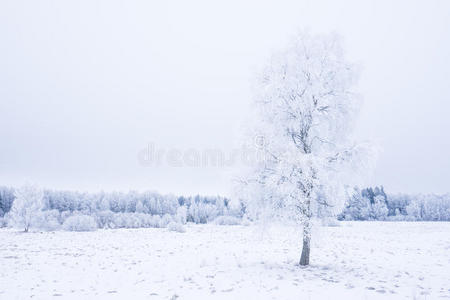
x,y
357,260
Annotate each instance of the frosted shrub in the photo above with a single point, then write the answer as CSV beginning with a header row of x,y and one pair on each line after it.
x,y
133,220
51,225
119,220
177,227
137,220
181,215
330,222
105,219
48,220
80,223
398,218
144,220
155,221
165,220
227,220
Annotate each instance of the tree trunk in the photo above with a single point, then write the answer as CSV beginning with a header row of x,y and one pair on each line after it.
x,y
304,259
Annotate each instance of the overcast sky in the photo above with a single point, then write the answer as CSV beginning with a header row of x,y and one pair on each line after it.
x,y
86,85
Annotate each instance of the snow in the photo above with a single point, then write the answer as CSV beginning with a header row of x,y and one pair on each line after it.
x,y
356,260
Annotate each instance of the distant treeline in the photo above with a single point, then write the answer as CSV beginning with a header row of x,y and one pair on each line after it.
x,y
151,209
375,204
130,210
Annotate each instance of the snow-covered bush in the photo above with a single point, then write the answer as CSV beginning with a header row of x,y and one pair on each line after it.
x,y
399,218
165,220
330,222
80,223
122,220
27,204
48,220
133,220
227,220
181,215
105,219
177,227
155,221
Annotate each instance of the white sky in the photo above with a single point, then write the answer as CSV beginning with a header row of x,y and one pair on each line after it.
x,y
85,85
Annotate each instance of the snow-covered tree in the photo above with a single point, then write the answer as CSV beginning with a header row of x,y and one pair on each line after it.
x,y
6,199
27,204
379,210
358,207
306,108
80,223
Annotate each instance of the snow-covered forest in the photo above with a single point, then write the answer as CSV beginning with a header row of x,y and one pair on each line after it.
x,y
111,210
375,204
59,209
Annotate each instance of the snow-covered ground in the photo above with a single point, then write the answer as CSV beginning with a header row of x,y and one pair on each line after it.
x,y
357,260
